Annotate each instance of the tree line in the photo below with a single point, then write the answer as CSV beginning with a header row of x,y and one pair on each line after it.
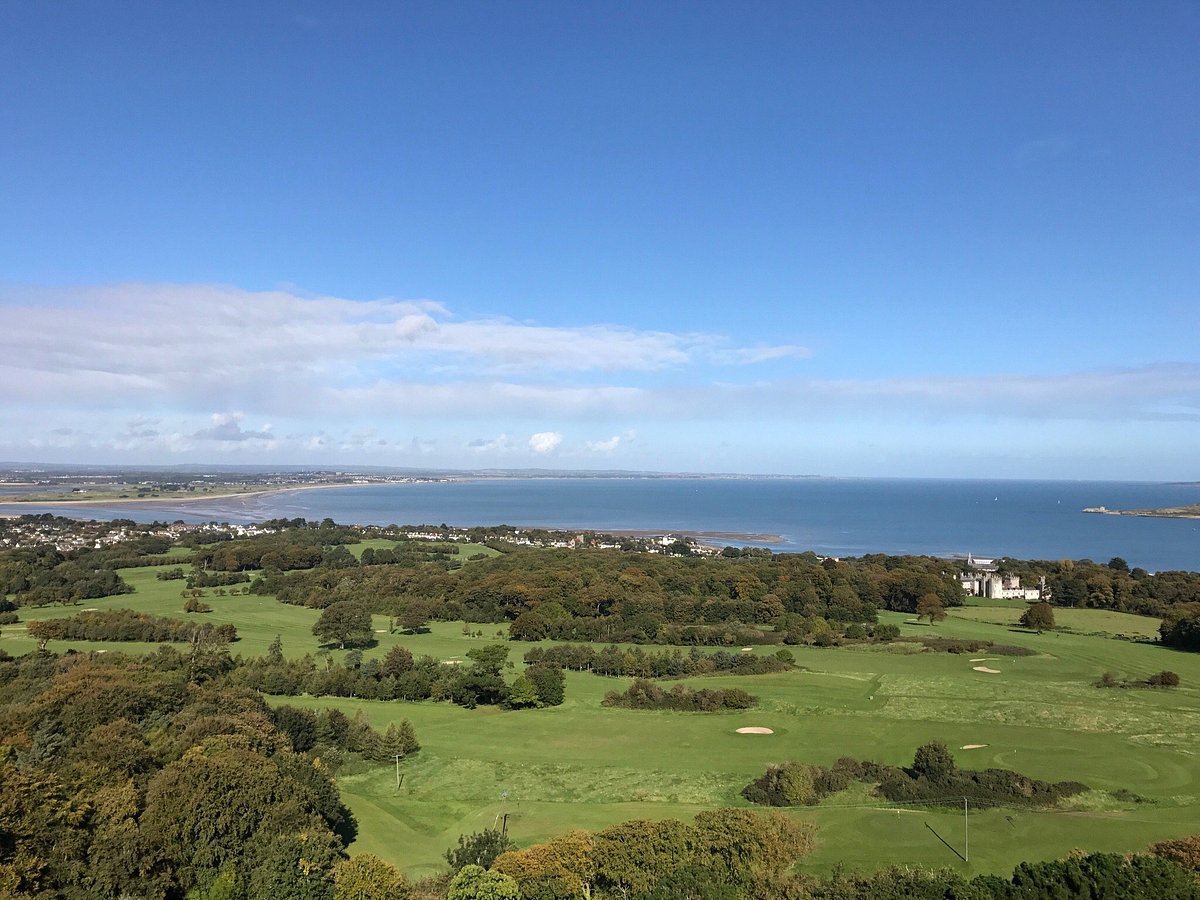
x,y
400,676
129,625
643,694
614,661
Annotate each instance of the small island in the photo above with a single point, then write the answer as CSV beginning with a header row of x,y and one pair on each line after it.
x,y
1190,511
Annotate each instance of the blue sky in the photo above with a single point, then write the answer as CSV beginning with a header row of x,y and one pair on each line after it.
x,y
848,239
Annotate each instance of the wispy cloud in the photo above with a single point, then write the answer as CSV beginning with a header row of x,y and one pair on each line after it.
x,y
216,345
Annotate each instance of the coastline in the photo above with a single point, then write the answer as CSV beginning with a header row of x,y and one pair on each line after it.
x,y
1166,512
94,500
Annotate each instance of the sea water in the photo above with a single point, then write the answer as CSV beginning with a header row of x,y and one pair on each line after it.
x,y
840,517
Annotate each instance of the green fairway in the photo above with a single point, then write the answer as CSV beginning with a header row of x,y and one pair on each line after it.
x,y
1085,621
583,765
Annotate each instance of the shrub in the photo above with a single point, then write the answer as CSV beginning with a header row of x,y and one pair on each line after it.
x,y
1163,679
643,694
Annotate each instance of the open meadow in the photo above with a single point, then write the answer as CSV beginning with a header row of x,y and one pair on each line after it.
x,y
581,765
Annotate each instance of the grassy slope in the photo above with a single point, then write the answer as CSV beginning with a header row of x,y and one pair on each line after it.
x,y
581,765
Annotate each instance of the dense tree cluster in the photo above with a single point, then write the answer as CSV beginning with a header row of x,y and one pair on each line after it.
x,y
1181,628
636,662
933,776
1086,584
400,676
39,576
131,778
579,595
643,694
291,544
735,851
478,849
129,625
1094,875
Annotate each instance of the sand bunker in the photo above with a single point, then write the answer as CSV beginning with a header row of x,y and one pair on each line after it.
x,y
986,669
755,729
972,746
747,649
984,659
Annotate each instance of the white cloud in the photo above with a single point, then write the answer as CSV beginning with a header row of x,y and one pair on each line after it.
x,y
227,427
545,441
205,345
610,444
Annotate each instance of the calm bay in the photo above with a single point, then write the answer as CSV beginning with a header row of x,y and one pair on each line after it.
x,y
842,517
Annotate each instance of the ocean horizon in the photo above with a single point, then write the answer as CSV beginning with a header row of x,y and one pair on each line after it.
x,y
831,516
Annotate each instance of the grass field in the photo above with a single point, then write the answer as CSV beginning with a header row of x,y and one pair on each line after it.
x,y
582,765
1097,621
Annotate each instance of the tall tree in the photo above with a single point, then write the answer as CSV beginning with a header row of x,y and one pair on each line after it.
x,y
1038,615
344,622
930,607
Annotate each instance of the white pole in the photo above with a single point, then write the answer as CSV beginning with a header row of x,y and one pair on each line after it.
x,y
966,833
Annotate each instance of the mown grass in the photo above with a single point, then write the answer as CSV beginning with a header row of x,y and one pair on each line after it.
x,y
582,765
1090,621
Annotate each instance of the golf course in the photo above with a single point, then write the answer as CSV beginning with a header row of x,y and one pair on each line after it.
x,y
583,765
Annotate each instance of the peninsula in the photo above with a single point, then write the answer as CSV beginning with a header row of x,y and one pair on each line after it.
x,y
1190,511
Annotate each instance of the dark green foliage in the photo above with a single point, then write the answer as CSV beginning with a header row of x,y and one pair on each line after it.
x,y
644,694
787,784
1101,875
1039,616
969,645
199,579
130,782
300,725
128,625
478,849
396,662
1181,629
933,761
614,661
934,776
344,622
900,884
397,677
549,683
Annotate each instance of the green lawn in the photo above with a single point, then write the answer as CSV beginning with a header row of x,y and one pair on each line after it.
x,y
1087,621
581,765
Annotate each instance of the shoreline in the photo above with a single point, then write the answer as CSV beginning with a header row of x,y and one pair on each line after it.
x,y
186,498
1166,512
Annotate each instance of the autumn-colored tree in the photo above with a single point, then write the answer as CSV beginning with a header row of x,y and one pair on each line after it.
x,y
562,867
1185,851
1038,615
367,877
930,607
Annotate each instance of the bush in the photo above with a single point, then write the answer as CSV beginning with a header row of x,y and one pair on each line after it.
x,y
933,776
1163,679
643,694
196,606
